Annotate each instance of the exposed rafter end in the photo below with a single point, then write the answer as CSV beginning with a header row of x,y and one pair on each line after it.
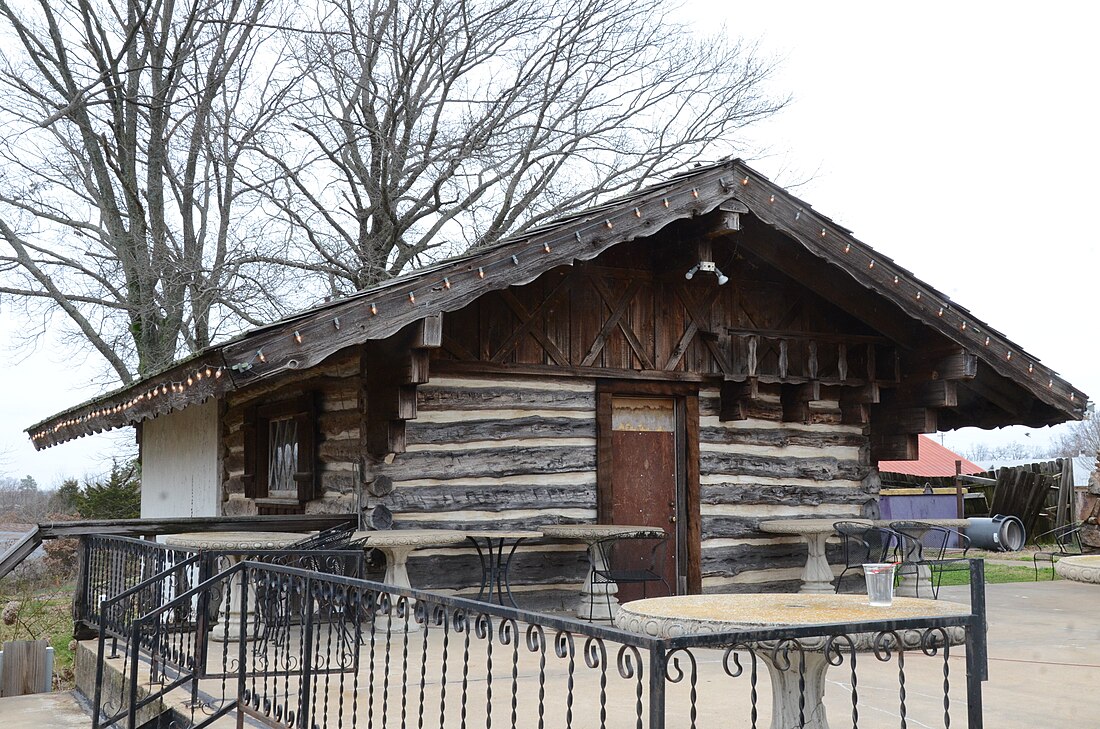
x,y
727,219
796,400
894,447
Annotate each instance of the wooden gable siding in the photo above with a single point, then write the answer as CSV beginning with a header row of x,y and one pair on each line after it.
x,y
634,312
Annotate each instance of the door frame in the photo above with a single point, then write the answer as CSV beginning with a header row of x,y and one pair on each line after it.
x,y
688,532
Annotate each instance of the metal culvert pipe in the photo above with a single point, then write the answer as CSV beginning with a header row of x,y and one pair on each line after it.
x,y
998,533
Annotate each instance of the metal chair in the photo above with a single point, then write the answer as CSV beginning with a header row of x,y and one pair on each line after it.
x,y
1066,543
864,544
925,545
623,561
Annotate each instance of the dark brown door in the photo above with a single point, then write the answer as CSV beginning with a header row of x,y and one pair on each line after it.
x,y
645,482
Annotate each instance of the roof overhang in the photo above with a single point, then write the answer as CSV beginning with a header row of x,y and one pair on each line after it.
x,y
306,339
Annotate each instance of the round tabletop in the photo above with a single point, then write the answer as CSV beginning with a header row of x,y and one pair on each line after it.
x,y
804,526
671,617
825,526
409,537
588,532
1080,568
500,534
233,540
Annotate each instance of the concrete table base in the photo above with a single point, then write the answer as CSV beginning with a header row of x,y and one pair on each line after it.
x,y
397,545
817,575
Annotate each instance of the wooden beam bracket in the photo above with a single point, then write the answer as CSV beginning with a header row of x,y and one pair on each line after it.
x,y
737,398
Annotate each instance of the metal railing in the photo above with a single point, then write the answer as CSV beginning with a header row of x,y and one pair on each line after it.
x,y
111,566
174,625
326,651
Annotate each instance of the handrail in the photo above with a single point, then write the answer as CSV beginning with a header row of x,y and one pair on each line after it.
x,y
19,551
33,539
141,527
307,641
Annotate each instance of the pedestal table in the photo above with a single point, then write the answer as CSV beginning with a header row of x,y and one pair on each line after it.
x,y
599,602
228,627
672,617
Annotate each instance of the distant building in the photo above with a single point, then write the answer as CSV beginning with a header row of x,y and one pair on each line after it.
x,y
933,460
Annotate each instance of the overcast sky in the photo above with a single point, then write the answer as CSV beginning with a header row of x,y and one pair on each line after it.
x,y
959,139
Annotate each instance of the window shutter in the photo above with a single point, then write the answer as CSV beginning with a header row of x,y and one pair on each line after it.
x,y
251,456
305,475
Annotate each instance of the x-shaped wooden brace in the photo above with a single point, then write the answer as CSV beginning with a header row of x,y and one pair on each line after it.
x,y
698,314
528,320
615,320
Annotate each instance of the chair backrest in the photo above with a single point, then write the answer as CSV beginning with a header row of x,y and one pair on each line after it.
x,y
864,543
922,540
621,554
1068,537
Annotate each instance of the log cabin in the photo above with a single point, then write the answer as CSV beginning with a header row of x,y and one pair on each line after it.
x,y
702,354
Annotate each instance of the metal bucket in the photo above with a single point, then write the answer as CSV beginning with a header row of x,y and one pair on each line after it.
x,y
999,533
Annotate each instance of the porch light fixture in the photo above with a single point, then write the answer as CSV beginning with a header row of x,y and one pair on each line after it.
x,y
709,267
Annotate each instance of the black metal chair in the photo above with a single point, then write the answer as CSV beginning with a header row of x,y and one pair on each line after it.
x,y
625,561
926,545
1065,541
864,544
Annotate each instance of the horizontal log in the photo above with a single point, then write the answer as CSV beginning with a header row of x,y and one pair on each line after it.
x,y
506,398
233,461
343,450
506,524
781,437
741,527
341,482
750,409
817,469
469,431
782,495
461,571
233,485
491,498
511,461
731,561
754,587
339,421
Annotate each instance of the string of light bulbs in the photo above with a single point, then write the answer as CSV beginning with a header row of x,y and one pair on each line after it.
x,y
594,232
193,379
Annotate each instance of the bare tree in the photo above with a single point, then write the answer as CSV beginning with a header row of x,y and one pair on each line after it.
x,y
124,126
1014,451
1081,438
444,124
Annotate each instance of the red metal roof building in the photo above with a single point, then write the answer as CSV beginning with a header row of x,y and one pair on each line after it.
x,y
933,460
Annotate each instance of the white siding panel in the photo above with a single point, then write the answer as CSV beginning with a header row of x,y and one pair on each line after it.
x,y
179,475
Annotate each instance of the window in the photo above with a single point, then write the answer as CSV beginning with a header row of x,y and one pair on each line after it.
x,y
279,453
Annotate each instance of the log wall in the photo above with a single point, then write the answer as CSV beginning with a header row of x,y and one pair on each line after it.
x,y
499,453
761,468
490,452
335,385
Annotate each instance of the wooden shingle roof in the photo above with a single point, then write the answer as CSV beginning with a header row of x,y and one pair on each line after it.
x,y
307,338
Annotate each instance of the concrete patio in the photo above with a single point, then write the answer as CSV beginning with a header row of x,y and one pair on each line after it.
x,y
1044,660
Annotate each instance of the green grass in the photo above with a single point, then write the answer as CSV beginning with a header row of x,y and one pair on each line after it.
x,y
43,612
996,574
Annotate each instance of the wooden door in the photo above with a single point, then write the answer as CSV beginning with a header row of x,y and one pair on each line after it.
x,y
644,475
